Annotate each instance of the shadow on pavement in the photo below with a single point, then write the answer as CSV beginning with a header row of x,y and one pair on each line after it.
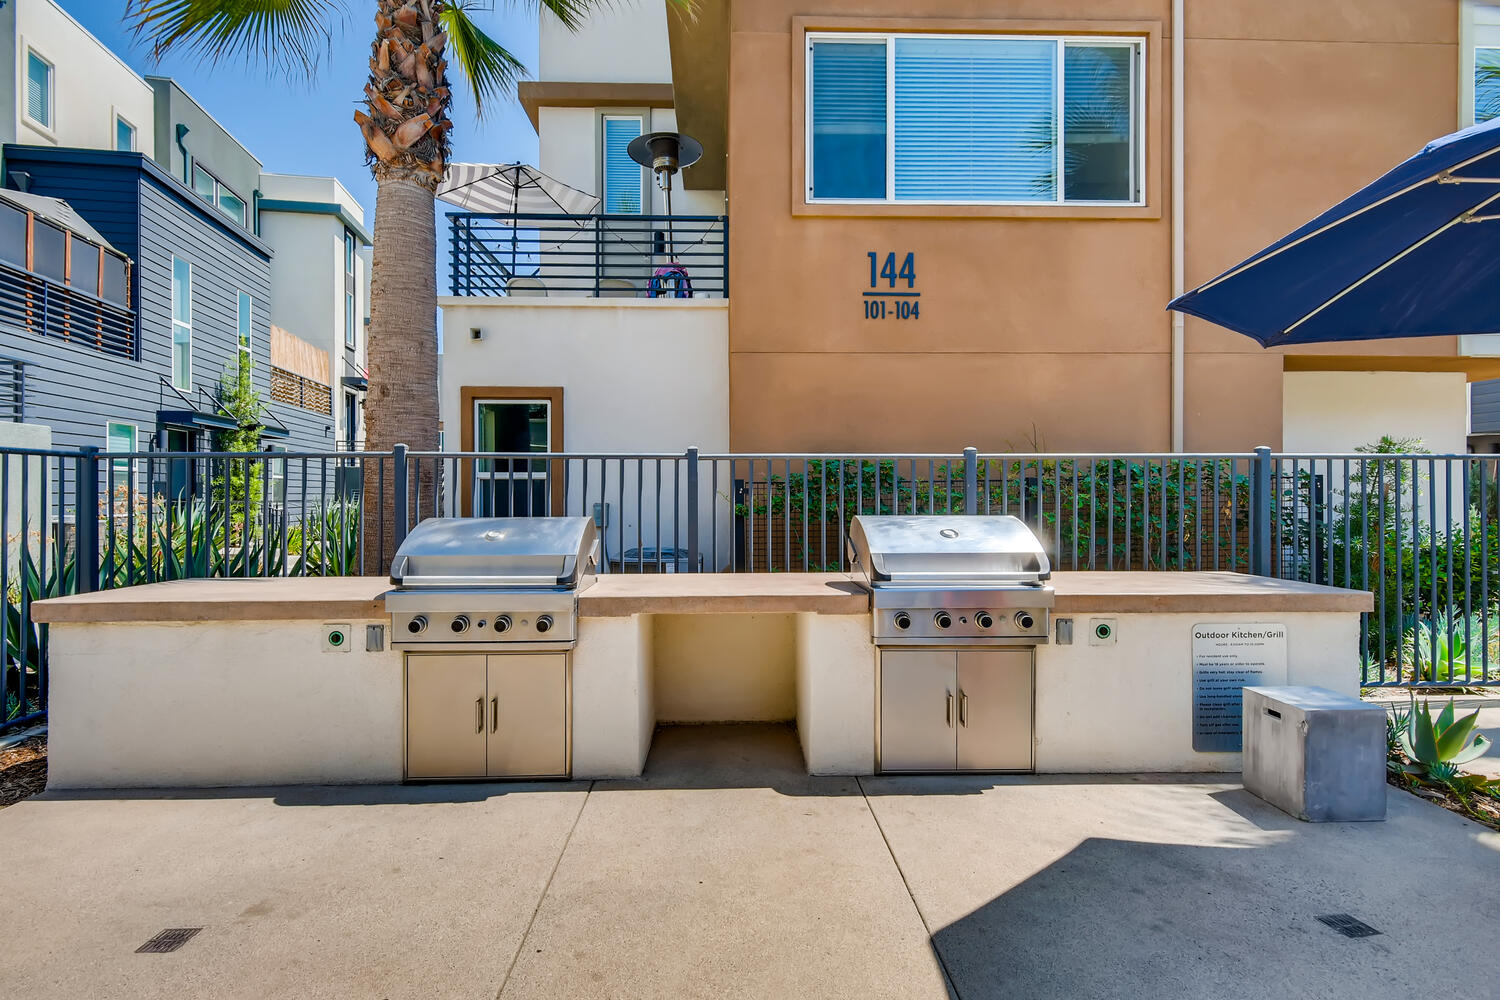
x,y
1126,919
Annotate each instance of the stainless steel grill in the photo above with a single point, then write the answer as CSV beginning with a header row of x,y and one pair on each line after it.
x,y
959,605
952,580
469,582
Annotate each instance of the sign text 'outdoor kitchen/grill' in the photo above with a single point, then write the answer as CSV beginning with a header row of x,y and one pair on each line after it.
x,y
1226,659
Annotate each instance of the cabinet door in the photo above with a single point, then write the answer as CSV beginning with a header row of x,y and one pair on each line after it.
x,y
917,710
994,710
528,722
445,716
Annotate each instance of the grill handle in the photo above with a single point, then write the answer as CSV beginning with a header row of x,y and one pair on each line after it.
x,y
949,715
494,714
963,708
478,715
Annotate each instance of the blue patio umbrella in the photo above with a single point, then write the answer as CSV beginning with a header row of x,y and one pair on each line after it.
x,y
1415,254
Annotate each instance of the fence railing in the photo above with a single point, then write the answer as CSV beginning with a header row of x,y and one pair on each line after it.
x,y
1418,531
45,308
599,256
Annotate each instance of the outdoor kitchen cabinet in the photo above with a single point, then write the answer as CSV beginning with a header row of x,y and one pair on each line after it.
x,y
956,709
472,715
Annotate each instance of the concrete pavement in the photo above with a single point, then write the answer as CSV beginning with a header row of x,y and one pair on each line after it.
x,y
725,871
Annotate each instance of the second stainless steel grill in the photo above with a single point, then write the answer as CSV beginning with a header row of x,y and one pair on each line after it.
x,y
952,579
958,606
486,610
473,581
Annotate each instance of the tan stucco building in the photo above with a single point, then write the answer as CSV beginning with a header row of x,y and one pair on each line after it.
x,y
955,288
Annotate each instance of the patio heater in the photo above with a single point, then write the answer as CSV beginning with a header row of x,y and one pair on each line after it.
x,y
665,153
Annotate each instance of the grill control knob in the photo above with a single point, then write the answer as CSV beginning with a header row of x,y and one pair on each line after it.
x,y
902,620
460,624
984,620
544,624
1024,621
942,619
417,624
502,623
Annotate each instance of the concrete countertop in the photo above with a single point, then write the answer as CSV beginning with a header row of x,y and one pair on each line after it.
x,y
333,598
617,595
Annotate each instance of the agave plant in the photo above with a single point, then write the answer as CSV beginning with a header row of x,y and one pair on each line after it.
x,y
1436,749
1464,647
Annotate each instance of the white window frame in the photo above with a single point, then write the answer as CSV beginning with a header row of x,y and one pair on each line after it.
x,y
131,476
135,133
1478,28
50,125
244,343
216,201
645,191
493,474
1138,120
351,300
188,325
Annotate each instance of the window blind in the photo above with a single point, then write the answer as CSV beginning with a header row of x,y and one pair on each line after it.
x,y
622,175
975,119
38,82
848,120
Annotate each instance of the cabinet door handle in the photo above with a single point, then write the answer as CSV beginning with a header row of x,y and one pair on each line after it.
x,y
963,708
479,714
950,710
494,714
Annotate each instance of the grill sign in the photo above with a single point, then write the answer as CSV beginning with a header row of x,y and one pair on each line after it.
x,y
893,287
1226,659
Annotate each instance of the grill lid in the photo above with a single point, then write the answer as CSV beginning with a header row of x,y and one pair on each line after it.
x,y
943,549
496,552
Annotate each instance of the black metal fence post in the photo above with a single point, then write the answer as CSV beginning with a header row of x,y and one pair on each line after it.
x,y
971,481
1260,513
399,494
692,509
86,519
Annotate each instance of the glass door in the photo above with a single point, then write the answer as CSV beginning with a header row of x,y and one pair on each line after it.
x,y
510,484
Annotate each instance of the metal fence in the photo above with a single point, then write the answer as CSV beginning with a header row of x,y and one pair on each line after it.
x,y
1418,531
598,256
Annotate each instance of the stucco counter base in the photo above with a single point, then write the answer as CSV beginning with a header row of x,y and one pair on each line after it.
x,y
228,682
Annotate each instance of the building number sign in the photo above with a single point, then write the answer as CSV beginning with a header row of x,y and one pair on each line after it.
x,y
893,287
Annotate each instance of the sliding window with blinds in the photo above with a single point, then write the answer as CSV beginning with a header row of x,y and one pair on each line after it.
x,y
947,119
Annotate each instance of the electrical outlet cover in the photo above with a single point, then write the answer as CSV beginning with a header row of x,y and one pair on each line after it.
x,y
1103,631
336,638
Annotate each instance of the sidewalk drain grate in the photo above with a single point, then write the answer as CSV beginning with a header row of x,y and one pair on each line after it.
x,y
1348,925
168,940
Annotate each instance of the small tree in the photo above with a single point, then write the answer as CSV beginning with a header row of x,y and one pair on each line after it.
x,y
235,494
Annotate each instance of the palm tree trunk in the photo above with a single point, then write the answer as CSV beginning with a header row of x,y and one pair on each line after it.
x,y
402,404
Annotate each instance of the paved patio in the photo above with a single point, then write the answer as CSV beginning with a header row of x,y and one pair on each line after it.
x,y
726,872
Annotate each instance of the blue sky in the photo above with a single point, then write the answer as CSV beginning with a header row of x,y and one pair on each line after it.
x,y
306,126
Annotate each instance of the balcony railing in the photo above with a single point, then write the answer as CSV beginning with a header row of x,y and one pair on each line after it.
x,y
13,390
598,256
37,305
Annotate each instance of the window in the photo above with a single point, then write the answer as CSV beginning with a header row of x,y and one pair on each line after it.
x,y
1486,82
49,250
277,469
232,205
242,324
212,190
119,439
624,179
511,486
124,135
13,234
182,324
116,284
38,89
350,317
960,119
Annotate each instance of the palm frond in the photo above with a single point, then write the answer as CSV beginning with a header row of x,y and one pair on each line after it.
x,y
289,35
489,66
